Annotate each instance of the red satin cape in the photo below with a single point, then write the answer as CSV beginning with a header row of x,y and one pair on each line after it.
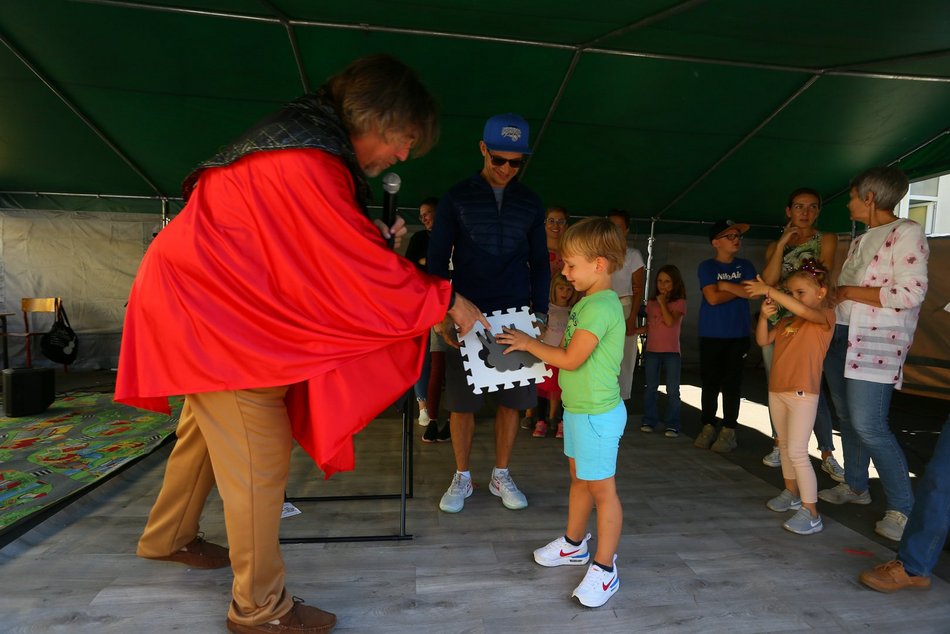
x,y
272,275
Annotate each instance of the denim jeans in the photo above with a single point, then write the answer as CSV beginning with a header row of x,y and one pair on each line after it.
x,y
421,388
926,529
824,430
862,408
653,364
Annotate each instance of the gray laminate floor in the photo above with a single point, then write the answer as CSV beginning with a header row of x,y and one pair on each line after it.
x,y
699,553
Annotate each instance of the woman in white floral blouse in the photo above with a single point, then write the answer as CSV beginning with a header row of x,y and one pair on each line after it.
x,y
880,289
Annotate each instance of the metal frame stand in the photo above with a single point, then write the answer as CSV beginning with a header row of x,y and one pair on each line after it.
x,y
404,494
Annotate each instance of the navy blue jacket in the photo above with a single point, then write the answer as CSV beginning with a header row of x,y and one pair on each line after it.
x,y
501,256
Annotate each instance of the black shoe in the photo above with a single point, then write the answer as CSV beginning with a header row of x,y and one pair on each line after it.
x,y
445,434
431,434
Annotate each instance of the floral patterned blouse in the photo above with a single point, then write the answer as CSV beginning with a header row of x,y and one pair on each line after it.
x,y
879,338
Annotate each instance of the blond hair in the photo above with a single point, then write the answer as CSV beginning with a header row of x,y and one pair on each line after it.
x,y
595,238
379,92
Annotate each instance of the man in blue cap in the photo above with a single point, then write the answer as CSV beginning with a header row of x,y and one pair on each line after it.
x,y
492,228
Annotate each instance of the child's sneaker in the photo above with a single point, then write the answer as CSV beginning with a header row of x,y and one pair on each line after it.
x,y
830,466
562,553
802,523
646,429
705,437
445,433
726,441
540,429
774,458
527,422
672,433
842,494
784,501
560,431
598,586
431,434
423,414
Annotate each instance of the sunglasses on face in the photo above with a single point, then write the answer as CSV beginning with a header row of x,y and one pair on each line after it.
x,y
497,161
556,222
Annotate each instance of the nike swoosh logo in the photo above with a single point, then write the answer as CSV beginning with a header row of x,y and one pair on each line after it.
x,y
609,583
573,552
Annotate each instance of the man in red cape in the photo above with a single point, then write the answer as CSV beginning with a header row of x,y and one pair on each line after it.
x,y
273,304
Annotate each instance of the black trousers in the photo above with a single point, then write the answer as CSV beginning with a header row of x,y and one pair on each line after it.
x,y
720,368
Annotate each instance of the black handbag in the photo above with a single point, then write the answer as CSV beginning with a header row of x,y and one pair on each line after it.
x,y
60,344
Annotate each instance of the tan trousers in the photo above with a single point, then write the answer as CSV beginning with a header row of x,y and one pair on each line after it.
x,y
242,441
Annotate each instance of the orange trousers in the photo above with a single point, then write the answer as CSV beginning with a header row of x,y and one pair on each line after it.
x,y
240,440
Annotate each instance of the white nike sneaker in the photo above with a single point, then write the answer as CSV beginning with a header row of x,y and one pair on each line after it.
x,y
598,586
560,552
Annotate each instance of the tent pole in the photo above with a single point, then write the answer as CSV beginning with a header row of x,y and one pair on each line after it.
x,y
650,242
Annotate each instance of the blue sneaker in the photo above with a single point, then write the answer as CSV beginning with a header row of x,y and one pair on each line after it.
x,y
784,501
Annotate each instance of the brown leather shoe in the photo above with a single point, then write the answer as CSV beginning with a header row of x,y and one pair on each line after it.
x,y
891,577
199,554
302,619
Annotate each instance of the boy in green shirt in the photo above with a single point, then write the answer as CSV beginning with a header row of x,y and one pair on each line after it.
x,y
594,415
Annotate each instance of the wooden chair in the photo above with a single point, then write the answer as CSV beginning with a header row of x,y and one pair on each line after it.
x,y
31,305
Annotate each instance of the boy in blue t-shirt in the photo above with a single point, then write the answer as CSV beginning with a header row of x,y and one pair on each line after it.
x,y
724,329
594,415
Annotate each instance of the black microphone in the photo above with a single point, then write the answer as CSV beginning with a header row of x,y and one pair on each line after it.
x,y
391,184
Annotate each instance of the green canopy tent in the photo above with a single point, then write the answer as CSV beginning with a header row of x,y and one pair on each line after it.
x,y
681,111
677,110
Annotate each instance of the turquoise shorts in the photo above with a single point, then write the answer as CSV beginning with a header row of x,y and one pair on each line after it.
x,y
592,440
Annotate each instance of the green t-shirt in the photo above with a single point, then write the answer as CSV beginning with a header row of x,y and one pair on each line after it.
x,y
593,388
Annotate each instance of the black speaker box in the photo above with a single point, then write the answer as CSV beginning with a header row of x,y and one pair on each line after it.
x,y
28,391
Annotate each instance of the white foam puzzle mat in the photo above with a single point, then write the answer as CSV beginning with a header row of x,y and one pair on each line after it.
x,y
485,363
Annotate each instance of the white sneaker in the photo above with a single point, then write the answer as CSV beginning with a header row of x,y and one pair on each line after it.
x,y
830,466
562,553
423,416
454,498
842,494
504,487
774,459
892,526
598,586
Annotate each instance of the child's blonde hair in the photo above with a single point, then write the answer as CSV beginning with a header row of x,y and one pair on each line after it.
x,y
595,238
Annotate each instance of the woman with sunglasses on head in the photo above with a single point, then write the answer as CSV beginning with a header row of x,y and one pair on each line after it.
x,y
800,241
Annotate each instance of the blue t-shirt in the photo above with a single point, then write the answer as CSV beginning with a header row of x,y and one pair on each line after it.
x,y
729,320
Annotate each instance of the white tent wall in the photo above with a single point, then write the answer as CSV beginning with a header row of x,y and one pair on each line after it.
x,y
88,259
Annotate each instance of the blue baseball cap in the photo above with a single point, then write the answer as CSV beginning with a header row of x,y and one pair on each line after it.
x,y
507,133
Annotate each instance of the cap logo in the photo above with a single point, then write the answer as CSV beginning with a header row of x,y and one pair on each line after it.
x,y
511,132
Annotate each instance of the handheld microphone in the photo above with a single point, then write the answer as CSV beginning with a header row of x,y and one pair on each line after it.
x,y
391,184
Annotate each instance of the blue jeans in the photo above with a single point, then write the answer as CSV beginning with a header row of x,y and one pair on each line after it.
x,y
421,388
926,529
824,430
653,364
862,408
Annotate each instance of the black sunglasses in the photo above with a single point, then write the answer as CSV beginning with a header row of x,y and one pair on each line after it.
x,y
497,161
